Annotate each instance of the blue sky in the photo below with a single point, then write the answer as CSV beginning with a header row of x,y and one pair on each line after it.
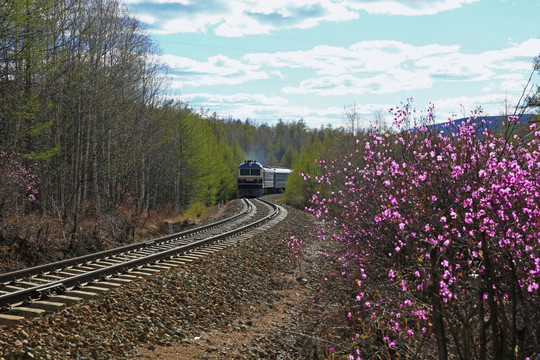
x,y
303,59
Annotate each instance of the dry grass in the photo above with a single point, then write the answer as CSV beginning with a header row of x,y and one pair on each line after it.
x,y
35,238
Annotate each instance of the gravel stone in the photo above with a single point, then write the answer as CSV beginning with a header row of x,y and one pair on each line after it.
x,y
244,303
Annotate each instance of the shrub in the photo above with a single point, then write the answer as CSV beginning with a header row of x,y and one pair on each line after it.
x,y
439,229
18,187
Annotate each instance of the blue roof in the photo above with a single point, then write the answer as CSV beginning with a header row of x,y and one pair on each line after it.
x,y
250,164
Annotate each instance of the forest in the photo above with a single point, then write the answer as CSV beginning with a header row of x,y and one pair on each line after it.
x,y
90,144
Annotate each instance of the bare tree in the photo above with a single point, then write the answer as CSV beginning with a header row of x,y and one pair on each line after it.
x,y
353,118
379,122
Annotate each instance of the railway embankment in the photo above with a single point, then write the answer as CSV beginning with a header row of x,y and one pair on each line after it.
x,y
248,303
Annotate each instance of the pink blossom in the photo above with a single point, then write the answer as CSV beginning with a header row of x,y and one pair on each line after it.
x,y
446,196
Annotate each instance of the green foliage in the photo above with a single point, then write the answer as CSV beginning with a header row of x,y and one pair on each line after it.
x,y
39,129
300,186
271,145
203,162
288,157
46,155
196,210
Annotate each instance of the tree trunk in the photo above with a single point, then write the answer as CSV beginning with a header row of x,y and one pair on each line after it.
x,y
482,327
436,302
85,166
497,332
95,168
142,185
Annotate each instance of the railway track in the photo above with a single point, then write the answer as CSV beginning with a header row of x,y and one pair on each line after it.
x,y
34,291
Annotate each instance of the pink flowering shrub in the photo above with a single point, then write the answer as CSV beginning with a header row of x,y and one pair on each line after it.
x,y
18,183
295,246
440,230
18,187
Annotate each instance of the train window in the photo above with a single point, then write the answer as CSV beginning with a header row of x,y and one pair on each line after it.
x,y
244,172
256,172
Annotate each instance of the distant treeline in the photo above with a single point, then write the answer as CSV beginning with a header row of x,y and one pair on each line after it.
x,y
81,108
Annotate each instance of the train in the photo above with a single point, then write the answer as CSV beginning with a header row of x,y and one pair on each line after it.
x,y
255,179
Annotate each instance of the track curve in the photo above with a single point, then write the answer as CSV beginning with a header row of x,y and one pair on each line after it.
x,y
27,292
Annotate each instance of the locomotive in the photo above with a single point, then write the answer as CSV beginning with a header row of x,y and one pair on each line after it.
x,y
255,180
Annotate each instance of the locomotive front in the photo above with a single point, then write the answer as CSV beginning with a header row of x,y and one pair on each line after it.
x,y
250,179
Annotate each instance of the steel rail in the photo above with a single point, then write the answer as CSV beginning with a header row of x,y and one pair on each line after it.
x,y
60,286
12,277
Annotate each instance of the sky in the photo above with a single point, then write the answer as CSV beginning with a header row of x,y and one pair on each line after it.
x,y
318,61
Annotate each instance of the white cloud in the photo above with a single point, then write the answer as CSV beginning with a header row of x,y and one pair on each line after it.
x,y
370,66
147,18
484,65
215,70
261,17
277,73
260,106
462,106
367,56
183,2
375,67
186,25
245,98
248,17
263,107
406,7
457,66
272,108
514,82
349,84
383,67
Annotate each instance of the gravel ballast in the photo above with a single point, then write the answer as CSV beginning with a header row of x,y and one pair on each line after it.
x,y
247,303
